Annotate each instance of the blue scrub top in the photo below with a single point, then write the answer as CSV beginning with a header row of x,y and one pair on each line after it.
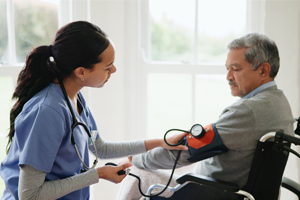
x,y
43,140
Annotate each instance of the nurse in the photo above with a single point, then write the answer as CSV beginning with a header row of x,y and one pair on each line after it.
x,y
41,161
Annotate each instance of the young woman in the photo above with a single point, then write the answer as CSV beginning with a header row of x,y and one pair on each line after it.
x,y
52,128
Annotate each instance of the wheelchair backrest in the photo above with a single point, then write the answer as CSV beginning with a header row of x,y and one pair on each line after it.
x,y
267,170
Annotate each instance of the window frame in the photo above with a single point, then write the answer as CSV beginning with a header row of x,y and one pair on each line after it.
x,y
255,12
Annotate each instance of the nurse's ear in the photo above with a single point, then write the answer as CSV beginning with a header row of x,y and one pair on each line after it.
x,y
80,73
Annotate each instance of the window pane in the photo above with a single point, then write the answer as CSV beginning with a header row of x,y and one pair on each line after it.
x,y
3,33
6,91
219,22
173,34
36,22
169,103
212,96
172,30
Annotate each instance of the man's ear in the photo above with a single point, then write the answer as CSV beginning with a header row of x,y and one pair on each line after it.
x,y
80,72
265,70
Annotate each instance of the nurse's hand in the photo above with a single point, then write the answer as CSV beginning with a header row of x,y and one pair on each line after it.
x,y
174,139
124,160
110,173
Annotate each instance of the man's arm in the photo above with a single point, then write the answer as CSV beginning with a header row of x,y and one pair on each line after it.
x,y
160,158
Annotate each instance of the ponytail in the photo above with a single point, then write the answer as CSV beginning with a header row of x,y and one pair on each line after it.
x,y
37,74
77,44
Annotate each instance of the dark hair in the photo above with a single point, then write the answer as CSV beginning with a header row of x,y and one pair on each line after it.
x,y
77,44
260,49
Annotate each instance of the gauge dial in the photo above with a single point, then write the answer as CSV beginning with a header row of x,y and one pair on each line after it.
x,y
197,131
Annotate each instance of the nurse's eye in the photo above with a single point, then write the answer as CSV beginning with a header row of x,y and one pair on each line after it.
x,y
108,68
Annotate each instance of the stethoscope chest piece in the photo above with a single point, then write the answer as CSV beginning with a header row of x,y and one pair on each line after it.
x,y
197,131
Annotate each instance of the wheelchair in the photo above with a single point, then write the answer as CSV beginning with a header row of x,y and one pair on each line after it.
x,y
264,180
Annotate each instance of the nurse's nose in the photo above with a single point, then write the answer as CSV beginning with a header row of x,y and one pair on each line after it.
x,y
113,69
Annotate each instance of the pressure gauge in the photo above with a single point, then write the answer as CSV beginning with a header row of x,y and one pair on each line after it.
x,y
197,131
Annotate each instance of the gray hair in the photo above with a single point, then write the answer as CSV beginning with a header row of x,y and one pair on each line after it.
x,y
260,49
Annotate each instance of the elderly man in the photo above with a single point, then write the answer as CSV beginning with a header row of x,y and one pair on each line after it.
x,y
252,64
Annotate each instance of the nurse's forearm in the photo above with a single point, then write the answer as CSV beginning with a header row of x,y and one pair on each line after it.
x,y
153,143
32,184
117,149
174,139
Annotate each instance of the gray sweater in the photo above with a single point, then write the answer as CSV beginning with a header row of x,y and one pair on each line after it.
x,y
240,126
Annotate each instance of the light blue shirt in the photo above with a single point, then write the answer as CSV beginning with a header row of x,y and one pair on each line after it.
x,y
259,89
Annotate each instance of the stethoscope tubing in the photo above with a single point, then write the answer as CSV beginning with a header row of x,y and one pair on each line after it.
x,y
180,142
76,123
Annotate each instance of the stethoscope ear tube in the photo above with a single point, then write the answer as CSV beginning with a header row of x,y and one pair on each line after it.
x,y
95,161
74,143
76,123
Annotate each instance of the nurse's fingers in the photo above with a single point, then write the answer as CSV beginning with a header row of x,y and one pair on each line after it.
x,y
112,172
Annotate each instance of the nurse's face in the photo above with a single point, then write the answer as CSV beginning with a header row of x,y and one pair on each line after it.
x,y
99,75
242,79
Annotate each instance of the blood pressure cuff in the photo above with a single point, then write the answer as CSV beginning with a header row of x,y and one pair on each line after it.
x,y
208,146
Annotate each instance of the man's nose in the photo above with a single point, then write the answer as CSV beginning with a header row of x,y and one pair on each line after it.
x,y
229,75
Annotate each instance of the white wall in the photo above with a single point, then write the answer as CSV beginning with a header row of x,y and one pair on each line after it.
x,y
115,106
282,23
111,109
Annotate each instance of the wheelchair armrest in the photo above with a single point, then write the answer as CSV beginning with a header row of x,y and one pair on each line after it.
x,y
204,180
291,185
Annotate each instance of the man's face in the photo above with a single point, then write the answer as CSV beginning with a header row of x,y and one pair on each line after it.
x,y
242,79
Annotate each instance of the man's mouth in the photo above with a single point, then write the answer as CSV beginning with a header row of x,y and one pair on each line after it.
x,y
232,84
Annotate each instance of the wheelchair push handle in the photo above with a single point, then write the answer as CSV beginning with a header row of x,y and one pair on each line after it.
x,y
281,137
289,138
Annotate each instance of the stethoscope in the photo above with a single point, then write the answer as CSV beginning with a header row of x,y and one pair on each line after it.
x,y
77,123
196,131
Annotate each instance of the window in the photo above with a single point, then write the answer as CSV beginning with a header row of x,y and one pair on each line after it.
x,y
3,30
26,30
23,27
185,48
194,31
